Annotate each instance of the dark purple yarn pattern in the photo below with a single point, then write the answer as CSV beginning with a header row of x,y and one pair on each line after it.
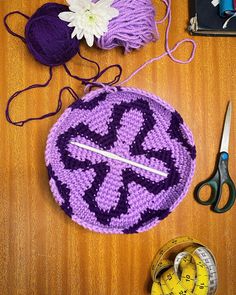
x,y
109,196
48,38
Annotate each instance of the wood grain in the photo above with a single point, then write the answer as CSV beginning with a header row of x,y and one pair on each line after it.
x,y
42,251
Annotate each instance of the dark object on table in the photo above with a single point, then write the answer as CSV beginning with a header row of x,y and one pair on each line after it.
x,y
227,8
205,19
221,176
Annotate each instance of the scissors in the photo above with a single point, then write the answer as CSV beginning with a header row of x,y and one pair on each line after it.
x,y
221,176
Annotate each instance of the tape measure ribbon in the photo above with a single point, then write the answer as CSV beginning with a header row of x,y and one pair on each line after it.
x,y
193,271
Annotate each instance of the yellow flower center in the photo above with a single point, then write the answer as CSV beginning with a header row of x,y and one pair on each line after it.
x,y
90,16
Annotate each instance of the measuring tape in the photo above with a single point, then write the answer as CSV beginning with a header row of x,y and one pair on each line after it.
x,y
192,271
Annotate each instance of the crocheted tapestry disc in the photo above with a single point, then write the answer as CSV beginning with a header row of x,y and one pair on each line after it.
x,y
120,160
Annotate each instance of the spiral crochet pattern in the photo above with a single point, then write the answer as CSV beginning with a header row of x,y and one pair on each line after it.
x,y
105,194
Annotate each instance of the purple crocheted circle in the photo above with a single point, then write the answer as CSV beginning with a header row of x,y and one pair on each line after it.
x,y
108,195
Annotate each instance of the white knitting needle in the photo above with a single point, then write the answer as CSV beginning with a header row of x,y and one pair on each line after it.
x,y
118,158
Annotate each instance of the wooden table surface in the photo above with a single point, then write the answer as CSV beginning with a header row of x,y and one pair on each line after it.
x,y
41,250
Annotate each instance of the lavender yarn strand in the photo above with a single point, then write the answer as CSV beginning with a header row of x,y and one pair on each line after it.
x,y
168,51
135,26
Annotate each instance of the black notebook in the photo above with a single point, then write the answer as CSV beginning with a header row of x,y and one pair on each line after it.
x,y
205,19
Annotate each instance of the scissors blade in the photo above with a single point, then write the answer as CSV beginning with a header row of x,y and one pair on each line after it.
x,y
224,147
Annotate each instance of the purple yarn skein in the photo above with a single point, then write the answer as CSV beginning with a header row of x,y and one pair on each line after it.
x,y
133,28
48,38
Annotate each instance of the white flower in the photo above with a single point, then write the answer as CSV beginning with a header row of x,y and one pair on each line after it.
x,y
89,19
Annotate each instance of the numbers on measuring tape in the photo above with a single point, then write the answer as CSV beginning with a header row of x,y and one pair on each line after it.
x,y
201,264
187,278
202,286
194,269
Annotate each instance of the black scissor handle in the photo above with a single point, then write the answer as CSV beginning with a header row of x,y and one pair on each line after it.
x,y
231,197
224,179
216,183
213,184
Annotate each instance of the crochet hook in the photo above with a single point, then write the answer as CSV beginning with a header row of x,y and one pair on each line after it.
x,y
118,158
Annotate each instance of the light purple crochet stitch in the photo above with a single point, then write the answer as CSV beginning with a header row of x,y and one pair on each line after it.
x,y
107,195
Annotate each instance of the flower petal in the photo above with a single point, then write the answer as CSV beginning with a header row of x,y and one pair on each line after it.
x,y
97,32
101,27
80,34
113,12
89,19
75,8
66,16
89,38
74,33
72,24
81,4
77,2
108,13
104,3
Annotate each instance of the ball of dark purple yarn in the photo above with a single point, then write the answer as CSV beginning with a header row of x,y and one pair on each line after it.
x,y
49,38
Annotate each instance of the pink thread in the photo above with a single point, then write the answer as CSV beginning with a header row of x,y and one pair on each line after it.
x,y
166,15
